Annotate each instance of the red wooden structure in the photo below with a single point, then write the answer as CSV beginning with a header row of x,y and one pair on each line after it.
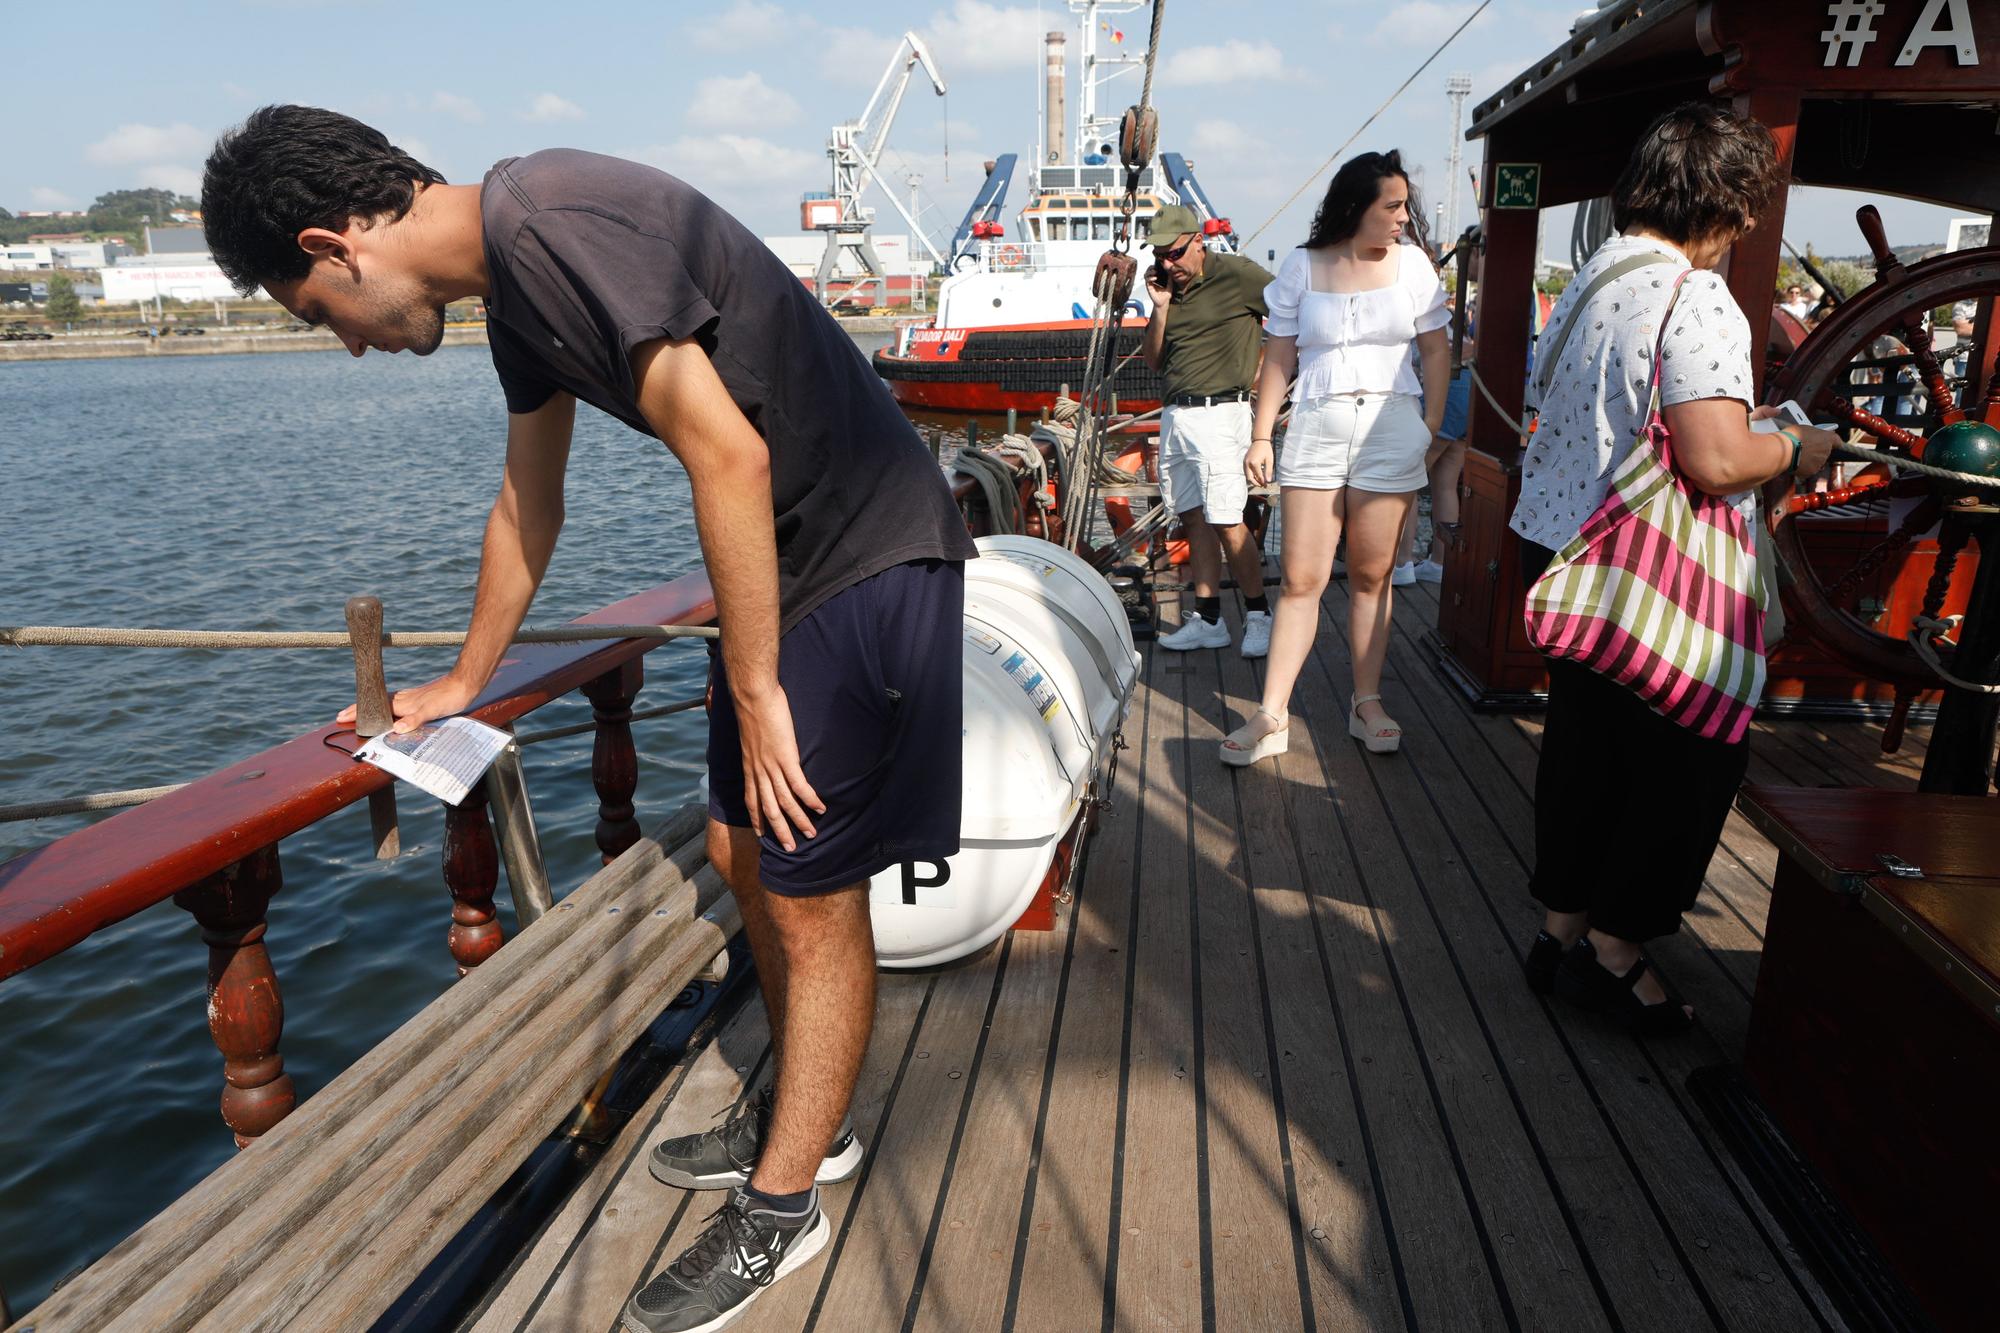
x,y
1885,100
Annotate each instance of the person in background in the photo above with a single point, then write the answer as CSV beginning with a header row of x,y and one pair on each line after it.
x,y
1443,464
1629,806
1795,303
1345,310
1204,334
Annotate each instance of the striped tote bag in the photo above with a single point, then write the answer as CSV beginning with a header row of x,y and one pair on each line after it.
x,y
1659,590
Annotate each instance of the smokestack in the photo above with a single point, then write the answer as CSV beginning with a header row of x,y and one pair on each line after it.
x,y
1056,123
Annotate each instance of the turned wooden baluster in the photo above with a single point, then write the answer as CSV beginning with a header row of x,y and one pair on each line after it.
x,y
246,1015
1915,335
472,873
614,760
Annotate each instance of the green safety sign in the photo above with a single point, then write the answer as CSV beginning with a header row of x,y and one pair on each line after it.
x,y
1517,184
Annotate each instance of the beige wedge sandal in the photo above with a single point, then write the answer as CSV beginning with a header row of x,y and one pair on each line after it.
x,y
1384,737
1241,748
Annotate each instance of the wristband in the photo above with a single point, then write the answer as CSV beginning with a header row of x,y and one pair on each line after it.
x,y
1798,447
1265,440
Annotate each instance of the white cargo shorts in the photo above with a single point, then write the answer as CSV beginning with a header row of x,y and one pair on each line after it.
x,y
1201,460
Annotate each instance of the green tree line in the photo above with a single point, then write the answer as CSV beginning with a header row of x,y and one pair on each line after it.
x,y
116,213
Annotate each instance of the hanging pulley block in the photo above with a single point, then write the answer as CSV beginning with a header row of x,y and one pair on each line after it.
x,y
1112,284
1138,135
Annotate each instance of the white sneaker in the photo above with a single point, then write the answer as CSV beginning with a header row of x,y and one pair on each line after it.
x,y
1430,571
1403,576
1195,633
1256,633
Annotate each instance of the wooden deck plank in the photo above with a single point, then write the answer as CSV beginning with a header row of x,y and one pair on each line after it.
x,y
1157,1215
1351,1281
1626,1249
1436,1236
1061,1252
1523,1225
1255,1255
1746,1278
868,1283
965,1272
596,1250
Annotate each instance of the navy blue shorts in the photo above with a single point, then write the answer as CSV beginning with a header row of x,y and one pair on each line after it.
x,y
875,678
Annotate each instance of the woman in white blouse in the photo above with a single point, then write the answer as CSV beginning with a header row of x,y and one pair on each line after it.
x,y
1345,309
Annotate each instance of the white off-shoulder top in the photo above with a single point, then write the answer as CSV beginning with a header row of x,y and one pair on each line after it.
x,y
1356,342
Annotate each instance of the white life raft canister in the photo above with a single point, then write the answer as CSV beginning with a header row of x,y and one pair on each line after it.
x,y
1049,671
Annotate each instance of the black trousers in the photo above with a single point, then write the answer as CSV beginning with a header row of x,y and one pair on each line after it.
x,y
1629,807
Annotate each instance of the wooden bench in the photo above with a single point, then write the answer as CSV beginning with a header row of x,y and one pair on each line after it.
x,y
322,1222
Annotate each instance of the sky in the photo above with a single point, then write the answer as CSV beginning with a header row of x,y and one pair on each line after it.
x,y
738,97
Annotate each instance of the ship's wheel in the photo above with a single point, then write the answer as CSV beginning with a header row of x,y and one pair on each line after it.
x,y
1840,550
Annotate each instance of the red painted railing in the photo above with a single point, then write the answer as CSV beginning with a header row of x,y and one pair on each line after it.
x,y
212,846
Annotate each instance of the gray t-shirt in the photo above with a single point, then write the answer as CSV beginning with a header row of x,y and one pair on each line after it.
x,y
590,256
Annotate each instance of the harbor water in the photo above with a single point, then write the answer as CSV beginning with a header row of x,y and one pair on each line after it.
x,y
259,493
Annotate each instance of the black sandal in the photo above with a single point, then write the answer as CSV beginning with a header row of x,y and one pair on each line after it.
x,y
1545,955
1584,981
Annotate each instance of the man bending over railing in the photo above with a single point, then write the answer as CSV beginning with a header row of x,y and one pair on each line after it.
x,y
829,535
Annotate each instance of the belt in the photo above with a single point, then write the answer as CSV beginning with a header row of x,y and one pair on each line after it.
x,y
1207,399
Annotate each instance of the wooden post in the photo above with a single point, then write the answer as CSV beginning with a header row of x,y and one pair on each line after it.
x,y
246,1014
1752,271
372,714
471,873
614,760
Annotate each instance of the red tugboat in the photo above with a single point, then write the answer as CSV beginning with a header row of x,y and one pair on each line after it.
x,y
1014,314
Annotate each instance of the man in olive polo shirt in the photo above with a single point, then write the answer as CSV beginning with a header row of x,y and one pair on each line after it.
x,y
1204,337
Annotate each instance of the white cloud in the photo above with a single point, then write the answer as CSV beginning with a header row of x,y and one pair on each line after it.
x,y
1224,137
48,196
459,108
416,148
166,176
716,161
744,101
854,56
978,36
129,145
743,26
548,107
1427,22
1235,61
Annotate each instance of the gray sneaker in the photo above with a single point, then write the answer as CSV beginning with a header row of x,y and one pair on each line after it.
x,y
745,1249
723,1157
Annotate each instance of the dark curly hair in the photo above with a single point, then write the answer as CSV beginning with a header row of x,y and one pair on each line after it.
x,y
1699,171
1353,191
287,168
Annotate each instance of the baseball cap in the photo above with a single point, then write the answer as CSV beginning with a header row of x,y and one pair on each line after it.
x,y
1171,223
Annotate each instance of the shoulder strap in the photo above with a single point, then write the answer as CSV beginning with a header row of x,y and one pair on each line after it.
x,y
1546,357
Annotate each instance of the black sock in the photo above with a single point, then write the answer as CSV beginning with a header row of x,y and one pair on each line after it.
x,y
780,1203
1209,609
1256,604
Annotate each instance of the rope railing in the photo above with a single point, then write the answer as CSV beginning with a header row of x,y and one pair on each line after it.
x,y
83,636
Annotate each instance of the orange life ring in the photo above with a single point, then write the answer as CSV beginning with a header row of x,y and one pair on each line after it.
x,y
1118,510
1009,256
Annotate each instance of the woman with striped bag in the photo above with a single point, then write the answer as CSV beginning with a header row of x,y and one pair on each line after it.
x,y
1637,515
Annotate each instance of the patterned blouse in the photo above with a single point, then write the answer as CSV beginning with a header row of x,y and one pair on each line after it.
x,y
1597,399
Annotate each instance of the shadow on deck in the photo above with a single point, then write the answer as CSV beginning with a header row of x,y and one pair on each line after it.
x,y
1276,1069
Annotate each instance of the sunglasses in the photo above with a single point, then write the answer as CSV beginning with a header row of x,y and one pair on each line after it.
x,y
1176,252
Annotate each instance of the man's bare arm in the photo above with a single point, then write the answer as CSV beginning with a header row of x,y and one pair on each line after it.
x,y
729,472
521,535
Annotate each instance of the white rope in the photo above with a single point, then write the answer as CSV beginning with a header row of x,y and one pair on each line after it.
x,y
77,805
81,636
1903,464
1928,628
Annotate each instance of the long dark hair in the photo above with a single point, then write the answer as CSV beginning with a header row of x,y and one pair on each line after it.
x,y
1354,190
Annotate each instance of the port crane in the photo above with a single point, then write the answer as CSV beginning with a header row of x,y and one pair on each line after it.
x,y
855,147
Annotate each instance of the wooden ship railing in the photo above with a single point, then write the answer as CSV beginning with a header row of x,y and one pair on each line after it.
x,y
212,846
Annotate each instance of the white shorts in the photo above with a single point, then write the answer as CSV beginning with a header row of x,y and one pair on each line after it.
x,y
1201,460
1372,442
